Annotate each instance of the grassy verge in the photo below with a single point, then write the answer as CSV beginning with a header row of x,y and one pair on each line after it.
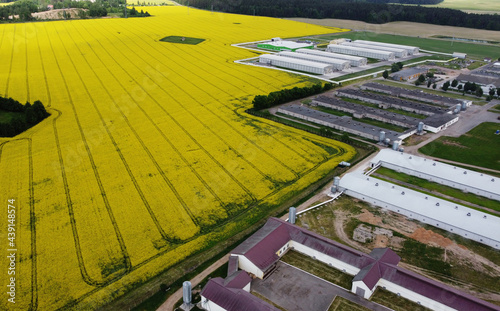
x,y
318,269
395,302
477,147
446,190
342,304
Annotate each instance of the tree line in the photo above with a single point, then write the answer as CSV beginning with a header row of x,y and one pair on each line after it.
x,y
24,117
367,11
23,9
286,95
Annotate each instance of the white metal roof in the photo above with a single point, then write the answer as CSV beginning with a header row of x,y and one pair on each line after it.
x,y
355,48
415,201
332,55
398,46
316,58
288,44
445,171
376,47
295,61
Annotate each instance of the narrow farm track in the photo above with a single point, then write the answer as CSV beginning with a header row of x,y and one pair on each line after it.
x,y
148,156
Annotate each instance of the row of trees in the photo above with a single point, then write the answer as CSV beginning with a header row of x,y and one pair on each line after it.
x,y
366,11
286,95
21,8
24,117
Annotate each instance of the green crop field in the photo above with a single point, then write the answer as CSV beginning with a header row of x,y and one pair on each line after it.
x,y
182,40
480,147
472,49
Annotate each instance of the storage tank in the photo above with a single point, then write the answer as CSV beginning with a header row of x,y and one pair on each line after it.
x,y
336,183
381,136
395,145
292,215
464,106
186,292
458,107
420,127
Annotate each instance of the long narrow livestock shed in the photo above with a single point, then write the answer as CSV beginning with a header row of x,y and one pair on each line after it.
x,y
338,64
357,51
355,61
296,64
397,52
411,49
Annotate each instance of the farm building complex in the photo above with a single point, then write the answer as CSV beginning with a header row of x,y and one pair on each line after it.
x,y
260,254
355,61
337,64
296,64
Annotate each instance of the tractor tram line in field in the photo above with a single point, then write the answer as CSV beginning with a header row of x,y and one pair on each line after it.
x,y
186,132
118,234
31,221
27,65
224,121
49,99
118,150
230,95
172,145
11,61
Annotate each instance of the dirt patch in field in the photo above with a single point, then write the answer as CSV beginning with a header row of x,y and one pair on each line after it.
x,y
431,238
454,143
368,217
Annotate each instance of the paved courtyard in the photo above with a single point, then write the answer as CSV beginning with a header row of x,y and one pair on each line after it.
x,y
295,290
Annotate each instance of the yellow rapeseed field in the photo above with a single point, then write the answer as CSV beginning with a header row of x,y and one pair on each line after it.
x,y
147,156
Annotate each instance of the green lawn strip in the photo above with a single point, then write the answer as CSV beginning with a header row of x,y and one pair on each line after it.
x,y
446,190
472,49
342,304
318,269
395,302
479,146
476,65
179,39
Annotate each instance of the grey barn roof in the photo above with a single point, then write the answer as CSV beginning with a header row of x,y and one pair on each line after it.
x,y
345,121
402,92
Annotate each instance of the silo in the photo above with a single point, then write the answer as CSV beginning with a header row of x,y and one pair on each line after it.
x,y
420,127
292,215
458,107
186,292
336,183
464,106
395,145
381,136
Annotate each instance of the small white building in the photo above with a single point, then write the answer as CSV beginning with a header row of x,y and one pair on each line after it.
x,y
459,55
